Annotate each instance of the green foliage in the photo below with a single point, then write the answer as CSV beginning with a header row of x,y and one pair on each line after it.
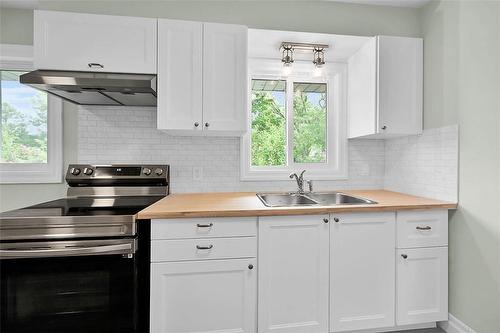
x,y
24,139
269,130
309,130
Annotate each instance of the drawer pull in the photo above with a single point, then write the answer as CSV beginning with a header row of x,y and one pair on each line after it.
x,y
404,256
94,64
250,266
199,225
427,227
201,247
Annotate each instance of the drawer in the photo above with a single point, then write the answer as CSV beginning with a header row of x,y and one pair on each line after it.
x,y
205,248
203,227
422,228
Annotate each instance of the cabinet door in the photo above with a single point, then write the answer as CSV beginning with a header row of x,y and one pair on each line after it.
x,y
71,41
362,271
400,85
203,296
422,285
180,75
362,90
224,77
293,274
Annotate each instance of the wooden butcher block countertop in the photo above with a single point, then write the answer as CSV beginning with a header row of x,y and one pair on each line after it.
x,y
248,204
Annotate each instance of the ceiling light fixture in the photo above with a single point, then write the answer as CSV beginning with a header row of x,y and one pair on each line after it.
x,y
318,57
287,58
288,49
318,61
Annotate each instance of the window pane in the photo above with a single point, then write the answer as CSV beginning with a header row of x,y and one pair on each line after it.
x,y
309,122
268,123
24,121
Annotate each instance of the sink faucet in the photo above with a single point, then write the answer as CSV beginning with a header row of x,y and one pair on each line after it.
x,y
299,180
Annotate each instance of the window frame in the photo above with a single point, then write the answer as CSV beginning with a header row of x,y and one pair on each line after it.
x,y
336,166
20,58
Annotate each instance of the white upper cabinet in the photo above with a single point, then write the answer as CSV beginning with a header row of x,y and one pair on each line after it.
x,y
88,42
293,274
180,57
202,78
385,88
362,271
224,77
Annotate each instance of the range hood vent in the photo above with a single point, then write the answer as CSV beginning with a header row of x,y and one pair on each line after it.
x,y
88,88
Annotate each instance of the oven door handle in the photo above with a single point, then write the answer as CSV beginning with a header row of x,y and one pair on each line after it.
x,y
126,248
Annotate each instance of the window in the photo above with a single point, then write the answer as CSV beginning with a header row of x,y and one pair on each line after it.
x,y
295,123
31,143
24,121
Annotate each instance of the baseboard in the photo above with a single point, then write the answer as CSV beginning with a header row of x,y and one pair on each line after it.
x,y
395,328
453,325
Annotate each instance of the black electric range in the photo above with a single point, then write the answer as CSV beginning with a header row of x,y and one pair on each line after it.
x,y
77,264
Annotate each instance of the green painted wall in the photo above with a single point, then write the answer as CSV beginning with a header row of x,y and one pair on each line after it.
x,y
16,27
462,85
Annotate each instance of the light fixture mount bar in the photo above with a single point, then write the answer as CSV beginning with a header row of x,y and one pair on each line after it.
x,y
303,46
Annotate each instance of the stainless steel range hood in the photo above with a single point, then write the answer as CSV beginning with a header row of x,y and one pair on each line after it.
x,y
88,88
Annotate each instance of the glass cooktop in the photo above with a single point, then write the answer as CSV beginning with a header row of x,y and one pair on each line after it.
x,y
85,206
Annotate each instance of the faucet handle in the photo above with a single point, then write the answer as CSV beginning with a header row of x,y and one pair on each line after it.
x,y
310,185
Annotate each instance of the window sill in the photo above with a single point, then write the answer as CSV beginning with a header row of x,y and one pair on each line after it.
x,y
30,177
283,175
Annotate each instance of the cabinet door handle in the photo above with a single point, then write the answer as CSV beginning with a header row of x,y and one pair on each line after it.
x,y
94,64
250,266
326,220
336,219
427,227
196,124
199,225
404,256
207,124
384,127
204,247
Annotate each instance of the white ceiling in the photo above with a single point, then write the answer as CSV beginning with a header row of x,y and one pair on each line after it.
x,y
393,3
266,44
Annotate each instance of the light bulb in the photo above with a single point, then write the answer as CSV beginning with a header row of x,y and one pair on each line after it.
x,y
287,69
318,71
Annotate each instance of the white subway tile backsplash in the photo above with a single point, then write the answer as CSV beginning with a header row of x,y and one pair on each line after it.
x,y
422,165
129,135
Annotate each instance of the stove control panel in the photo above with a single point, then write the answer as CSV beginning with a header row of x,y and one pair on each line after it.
x,y
116,174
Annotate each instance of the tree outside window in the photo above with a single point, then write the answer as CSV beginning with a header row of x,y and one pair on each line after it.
x,y
24,121
269,120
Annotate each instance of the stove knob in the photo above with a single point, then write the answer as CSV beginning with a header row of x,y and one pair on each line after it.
x,y
75,171
146,171
159,171
88,171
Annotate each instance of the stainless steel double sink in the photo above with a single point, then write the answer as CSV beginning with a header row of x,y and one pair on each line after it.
x,y
311,199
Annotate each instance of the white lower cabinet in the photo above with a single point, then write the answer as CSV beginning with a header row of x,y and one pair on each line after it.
x,y
422,285
362,271
316,273
204,296
293,274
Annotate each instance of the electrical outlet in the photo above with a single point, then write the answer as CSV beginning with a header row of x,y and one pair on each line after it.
x,y
197,174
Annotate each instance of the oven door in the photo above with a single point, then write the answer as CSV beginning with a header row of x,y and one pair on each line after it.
x,y
78,286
